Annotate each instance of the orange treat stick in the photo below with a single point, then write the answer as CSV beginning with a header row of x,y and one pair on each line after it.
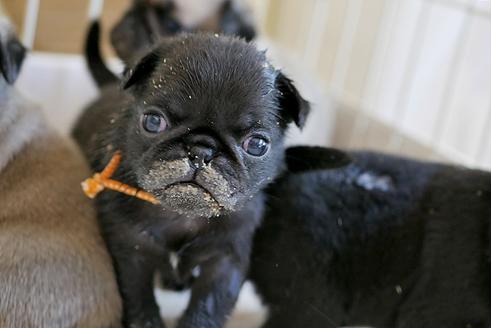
x,y
113,164
129,190
100,181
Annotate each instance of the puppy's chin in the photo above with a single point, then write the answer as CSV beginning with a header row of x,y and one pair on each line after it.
x,y
190,200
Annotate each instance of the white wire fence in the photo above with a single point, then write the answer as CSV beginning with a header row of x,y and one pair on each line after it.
x,y
410,77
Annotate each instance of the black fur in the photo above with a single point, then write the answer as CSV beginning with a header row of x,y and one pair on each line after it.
x,y
214,92
383,242
233,23
146,22
101,74
142,25
291,102
303,158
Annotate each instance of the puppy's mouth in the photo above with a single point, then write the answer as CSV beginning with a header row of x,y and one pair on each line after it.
x,y
190,185
189,198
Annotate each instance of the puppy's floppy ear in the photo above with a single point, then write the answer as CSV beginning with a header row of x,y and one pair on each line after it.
x,y
293,106
141,71
310,158
12,54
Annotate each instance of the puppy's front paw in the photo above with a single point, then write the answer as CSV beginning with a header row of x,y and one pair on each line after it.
x,y
198,320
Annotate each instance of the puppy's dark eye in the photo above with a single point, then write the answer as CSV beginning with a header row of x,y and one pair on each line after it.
x,y
153,123
256,145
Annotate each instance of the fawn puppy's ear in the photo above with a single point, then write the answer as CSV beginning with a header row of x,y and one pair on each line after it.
x,y
12,52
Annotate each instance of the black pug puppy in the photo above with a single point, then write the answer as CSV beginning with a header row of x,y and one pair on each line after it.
x,y
200,124
383,242
148,21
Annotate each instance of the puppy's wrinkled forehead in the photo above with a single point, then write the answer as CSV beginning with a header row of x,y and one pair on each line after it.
x,y
206,63
206,72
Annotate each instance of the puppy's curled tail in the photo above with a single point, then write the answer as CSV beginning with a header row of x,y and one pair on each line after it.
x,y
101,74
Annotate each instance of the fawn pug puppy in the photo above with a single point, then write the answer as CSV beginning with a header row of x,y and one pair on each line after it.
x,y
54,268
200,124
382,242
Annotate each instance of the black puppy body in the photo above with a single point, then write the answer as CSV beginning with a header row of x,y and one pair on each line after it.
x,y
202,128
383,242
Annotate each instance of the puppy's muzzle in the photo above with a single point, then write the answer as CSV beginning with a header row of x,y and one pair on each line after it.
x,y
190,187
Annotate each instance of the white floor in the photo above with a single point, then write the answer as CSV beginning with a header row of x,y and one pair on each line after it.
x,y
249,312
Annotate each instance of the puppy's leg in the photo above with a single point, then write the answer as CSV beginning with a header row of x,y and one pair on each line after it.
x,y
214,293
135,269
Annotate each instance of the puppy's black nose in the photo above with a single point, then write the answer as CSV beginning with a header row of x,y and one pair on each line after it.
x,y
200,155
201,150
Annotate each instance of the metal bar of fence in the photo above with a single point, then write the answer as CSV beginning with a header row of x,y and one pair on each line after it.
x,y
95,9
380,57
373,77
344,51
399,112
30,23
443,113
262,8
312,50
